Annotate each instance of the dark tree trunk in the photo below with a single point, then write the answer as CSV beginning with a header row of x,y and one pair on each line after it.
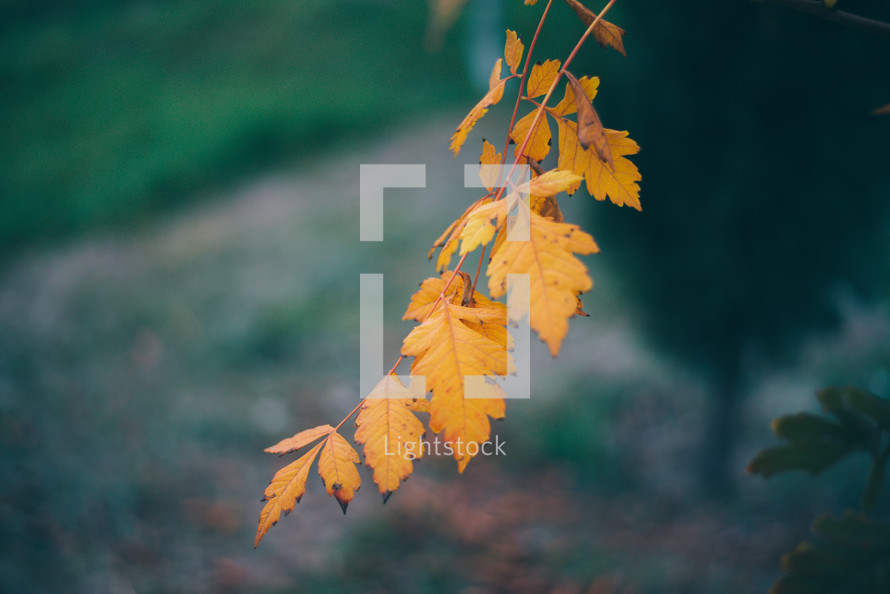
x,y
718,476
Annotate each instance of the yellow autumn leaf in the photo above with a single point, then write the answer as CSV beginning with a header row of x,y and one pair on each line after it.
x,y
336,466
590,128
546,206
556,276
391,433
543,189
539,143
550,183
572,156
478,229
303,438
606,34
489,166
567,106
609,35
449,238
430,289
494,94
541,77
285,491
513,51
446,350
619,184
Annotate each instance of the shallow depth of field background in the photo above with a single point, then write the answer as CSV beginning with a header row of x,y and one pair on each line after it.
x,y
179,265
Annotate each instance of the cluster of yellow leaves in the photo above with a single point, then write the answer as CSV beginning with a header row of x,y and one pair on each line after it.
x,y
461,343
600,158
462,335
587,152
455,340
336,465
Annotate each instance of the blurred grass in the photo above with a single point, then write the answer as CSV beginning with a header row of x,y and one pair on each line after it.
x,y
113,111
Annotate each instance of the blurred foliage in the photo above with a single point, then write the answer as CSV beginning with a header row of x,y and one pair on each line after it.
x,y
764,187
111,111
853,553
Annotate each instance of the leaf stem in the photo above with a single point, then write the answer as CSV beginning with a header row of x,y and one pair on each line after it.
x,y
522,81
540,111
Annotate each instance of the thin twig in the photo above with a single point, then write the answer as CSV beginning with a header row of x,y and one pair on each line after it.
x,y
838,16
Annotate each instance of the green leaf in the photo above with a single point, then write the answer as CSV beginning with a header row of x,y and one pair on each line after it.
x,y
812,457
824,559
842,401
851,555
807,428
853,531
868,405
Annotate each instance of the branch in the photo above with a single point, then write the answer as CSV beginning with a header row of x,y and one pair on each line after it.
x,y
838,16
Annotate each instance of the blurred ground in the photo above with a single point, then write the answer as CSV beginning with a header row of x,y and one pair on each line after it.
x,y
142,374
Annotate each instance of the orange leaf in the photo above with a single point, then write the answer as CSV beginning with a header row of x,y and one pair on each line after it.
x,y
590,129
543,189
556,276
299,440
513,51
478,229
531,2
489,175
336,466
609,35
494,94
429,292
567,105
572,156
449,245
284,492
539,144
620,183
547,207
605,33
391,433
446,349
551,183
541,77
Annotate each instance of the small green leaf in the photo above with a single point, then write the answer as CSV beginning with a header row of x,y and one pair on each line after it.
x,y
812,457
868,405
841,402
853,531
822,559
806,428
851,555
832,399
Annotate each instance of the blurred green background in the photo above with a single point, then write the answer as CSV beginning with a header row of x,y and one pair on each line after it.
x,y
113,111
178,285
